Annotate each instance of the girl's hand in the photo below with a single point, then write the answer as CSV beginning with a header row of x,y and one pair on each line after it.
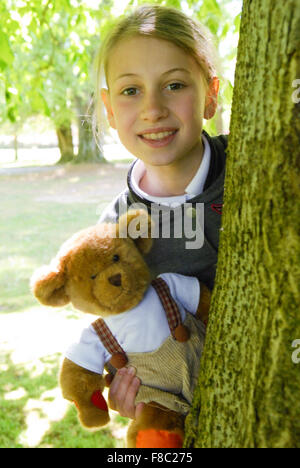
x,y
122,392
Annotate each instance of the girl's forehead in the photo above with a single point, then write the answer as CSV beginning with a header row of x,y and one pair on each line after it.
x,y
139,54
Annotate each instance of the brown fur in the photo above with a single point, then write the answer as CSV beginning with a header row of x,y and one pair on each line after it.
x,y
103,272
78,385
155,416
204,303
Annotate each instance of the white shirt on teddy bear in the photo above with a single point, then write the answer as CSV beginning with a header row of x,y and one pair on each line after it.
x,y
141,329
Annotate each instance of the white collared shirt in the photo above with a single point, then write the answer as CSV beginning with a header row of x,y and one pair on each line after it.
x,y
194,188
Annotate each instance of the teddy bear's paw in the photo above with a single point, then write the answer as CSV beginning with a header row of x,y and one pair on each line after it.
x,y
93,418
153,438
98,400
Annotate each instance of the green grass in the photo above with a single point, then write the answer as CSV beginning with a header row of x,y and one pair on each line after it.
x,y
38,212
15,430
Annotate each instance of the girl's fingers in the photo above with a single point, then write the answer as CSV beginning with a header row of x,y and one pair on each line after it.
x,y
122,392
129,401
118,388
138,409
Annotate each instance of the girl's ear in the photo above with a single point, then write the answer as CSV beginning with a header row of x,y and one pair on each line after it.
x,y
106,101
48,286
211,98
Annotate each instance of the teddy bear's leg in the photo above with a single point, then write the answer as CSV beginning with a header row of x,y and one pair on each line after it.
x,y
84,388
157,427
204,304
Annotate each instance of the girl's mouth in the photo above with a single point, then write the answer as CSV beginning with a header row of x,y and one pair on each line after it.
x,y
158,139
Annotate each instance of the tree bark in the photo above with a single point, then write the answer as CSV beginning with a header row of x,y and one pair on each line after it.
x,y
248,390
65,143
88,150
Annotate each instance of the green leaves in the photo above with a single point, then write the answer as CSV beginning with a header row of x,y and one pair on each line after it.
x,y
6,55
47,50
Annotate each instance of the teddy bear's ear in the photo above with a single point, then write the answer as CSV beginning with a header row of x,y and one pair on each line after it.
x,y
48,286
137,224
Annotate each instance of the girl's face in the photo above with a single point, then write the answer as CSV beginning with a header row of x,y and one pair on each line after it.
x,y
156,100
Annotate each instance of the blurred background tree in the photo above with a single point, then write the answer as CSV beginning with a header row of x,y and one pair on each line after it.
x,y
47,50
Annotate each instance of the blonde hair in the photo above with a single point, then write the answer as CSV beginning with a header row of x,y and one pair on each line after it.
x,y
159,22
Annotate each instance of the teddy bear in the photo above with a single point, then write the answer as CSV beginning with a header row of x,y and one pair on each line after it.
x,y
103,271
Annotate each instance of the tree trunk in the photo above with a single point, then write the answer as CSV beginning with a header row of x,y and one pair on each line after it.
x,y
249,385
65,143
88,151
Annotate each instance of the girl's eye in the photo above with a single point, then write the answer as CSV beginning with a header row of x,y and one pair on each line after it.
x,y
93,277
130,92
175,86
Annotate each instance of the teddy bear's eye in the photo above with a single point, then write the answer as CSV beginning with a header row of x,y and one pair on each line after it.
x,y
116,258
93,276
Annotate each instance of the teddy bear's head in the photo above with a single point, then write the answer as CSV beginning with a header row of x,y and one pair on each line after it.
x,y
101,269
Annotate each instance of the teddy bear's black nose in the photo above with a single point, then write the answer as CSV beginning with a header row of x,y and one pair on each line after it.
x,y
115,280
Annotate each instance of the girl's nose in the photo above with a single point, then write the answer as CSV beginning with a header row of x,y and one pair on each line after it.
x,y
153,108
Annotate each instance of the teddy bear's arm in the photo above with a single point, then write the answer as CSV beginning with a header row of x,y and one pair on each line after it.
x,y
204,303
84,388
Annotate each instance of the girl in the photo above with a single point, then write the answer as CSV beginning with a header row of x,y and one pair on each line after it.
x,y
160,84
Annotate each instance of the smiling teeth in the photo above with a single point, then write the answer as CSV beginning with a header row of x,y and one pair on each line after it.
x,y
157,136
